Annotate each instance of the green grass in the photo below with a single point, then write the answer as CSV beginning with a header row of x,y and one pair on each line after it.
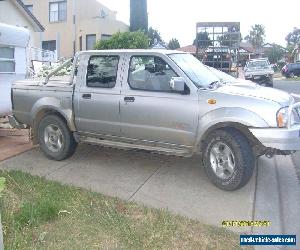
x,y
40,214
293,79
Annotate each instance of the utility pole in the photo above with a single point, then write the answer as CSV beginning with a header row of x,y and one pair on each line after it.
x,y
74,27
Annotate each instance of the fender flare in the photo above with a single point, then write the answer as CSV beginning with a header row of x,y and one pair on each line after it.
x,y
51,104
224,117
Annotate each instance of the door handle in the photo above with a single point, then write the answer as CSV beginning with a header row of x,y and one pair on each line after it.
x,y
129,99
86,96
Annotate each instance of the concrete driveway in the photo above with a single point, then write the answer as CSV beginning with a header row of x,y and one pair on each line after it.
x,y
178,184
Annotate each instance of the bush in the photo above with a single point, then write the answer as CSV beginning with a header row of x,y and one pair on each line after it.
x,y
46,69
125,40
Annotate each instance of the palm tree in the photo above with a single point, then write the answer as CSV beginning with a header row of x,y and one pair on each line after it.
x,y
138,15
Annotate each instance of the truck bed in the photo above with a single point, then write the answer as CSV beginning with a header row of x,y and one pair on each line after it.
x,y
31,94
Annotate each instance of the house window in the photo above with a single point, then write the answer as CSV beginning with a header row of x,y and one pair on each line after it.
x,y
105,37
90,41
49,45
29,7
7,60
58,11
80,43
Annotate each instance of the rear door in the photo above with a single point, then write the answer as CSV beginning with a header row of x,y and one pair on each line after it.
x,y
97,96
150,110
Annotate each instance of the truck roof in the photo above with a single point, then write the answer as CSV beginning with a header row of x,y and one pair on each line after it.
x,y
131,51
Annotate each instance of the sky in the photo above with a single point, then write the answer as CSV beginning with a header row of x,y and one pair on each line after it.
x,y
177,19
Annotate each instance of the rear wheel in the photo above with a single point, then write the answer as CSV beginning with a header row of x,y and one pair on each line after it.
x,y
228,159
55,138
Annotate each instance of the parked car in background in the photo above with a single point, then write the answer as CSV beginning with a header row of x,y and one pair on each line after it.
x,y
291,70
163,101
259,71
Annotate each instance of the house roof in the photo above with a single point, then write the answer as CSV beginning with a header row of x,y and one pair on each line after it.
x,y
33,20
247,47
189,49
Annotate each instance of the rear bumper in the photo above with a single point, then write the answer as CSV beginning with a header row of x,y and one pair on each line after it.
x,y
279,138
14,122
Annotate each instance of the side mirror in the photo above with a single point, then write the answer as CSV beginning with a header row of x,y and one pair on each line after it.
x,y
177,84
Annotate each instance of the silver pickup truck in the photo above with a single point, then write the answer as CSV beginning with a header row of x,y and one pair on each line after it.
x,y
161,101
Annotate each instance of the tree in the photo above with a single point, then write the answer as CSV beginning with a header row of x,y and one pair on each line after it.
x,y
124,40
293,38
138,15
154,37
202,40
173,44
256,36
230,39
275,53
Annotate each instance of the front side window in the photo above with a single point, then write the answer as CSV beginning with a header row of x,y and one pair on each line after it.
x,y
58,11
7,60
102,71
199,74
150,73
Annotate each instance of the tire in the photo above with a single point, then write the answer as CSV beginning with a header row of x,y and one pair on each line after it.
x,y
240,162
55,139
270,84
292,75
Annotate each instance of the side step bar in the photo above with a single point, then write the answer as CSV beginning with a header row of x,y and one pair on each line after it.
x,y
124,145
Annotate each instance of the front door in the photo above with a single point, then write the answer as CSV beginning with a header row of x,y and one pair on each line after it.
x,y
150,110
98,97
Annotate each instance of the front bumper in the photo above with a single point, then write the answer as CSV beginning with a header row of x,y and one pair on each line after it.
x,y
260,78
280,138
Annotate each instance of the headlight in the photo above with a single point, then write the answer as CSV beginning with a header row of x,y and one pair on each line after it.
x,y
282,117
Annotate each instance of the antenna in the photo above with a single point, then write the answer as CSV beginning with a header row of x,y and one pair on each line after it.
x,y
103,14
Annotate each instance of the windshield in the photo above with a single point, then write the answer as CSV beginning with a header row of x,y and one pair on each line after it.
x,y
222,75
195,70
257,64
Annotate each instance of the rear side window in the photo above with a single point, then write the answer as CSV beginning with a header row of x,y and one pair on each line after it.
x,y
150,73
102,71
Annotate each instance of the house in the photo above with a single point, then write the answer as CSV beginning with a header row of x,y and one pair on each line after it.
x,y
74,25
189,49
14,12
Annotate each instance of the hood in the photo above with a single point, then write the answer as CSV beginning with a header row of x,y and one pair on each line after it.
x,y
251,89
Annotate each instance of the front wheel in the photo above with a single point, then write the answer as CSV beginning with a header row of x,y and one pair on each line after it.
x,y
55,138
228,159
